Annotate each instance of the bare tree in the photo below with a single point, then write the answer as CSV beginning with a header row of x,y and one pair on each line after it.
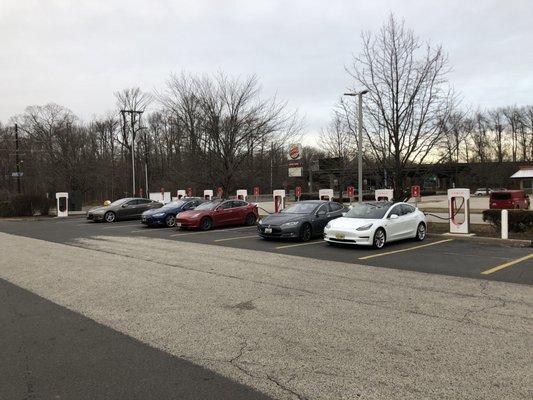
x,y
408,99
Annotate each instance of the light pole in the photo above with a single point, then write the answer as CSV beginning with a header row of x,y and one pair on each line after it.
x,y
359,141
132,120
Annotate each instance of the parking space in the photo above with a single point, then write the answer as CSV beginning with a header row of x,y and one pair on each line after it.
x,y
436,255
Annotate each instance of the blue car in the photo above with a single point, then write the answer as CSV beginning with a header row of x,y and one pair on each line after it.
x,y
166,215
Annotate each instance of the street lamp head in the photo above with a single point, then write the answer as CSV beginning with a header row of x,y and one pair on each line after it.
x,y
362,92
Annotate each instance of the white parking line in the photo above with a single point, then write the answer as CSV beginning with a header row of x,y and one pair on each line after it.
x,y
300,244
237,237
116,226
213,231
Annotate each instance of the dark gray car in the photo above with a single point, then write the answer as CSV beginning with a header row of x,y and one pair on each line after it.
x,y
301,220
127,208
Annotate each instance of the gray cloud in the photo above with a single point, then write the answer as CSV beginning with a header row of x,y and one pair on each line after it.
x,y
77,53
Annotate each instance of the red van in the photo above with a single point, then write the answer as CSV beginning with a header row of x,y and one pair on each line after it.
x,y
507,199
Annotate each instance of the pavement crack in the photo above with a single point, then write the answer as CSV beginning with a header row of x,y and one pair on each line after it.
x,y
285,387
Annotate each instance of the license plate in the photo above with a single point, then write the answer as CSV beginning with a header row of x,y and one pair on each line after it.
x,y
268,230
339,236
178,224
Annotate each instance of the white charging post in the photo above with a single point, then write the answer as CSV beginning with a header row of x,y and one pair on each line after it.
x,y
208,194
62,204
505,224
459,210
181,193
325,194
242,194
279,199
384,194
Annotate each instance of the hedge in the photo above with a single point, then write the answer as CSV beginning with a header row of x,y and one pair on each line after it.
x,y
25,205
519,220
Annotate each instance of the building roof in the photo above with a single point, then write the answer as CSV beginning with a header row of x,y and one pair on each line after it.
x,y
524,172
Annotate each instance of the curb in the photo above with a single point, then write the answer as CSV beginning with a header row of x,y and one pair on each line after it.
x,y
487,240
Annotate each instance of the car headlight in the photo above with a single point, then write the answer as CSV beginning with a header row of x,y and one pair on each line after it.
x,y
260,222
160,214
364,227
328,225
292,223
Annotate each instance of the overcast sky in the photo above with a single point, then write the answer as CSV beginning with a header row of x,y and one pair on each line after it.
x,y
77,53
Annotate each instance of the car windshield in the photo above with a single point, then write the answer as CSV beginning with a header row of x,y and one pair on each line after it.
x,y
300,208
210,205
368,211
174,204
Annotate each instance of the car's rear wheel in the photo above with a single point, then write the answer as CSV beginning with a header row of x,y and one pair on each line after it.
x,y
305,233
380,238
206,224
110,216
250,220
421,232
170,221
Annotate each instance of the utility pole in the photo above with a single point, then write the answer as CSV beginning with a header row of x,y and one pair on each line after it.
x,y
132,114
17,157
359,141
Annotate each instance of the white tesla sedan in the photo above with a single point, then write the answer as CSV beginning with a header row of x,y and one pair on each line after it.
x,y
376,223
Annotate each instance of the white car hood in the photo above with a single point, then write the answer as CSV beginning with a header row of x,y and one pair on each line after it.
x,y
350,223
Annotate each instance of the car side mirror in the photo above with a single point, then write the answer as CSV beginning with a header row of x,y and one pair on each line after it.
x,y
393,216
343,214
320,213
124,205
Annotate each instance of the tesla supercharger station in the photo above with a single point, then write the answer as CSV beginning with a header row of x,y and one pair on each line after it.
x,y
279,199
208,194
242,194
459,210
325,194
181,194
384,194
62,204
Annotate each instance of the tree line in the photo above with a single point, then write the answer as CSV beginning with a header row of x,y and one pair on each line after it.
x,y
209,131
198,131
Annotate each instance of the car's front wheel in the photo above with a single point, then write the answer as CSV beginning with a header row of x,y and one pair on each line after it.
x,y
170,221
306,233
110,216
380,238
206,224
421,232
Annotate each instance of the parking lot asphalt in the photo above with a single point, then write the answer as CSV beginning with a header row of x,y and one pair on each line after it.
x,y
436,255
120,311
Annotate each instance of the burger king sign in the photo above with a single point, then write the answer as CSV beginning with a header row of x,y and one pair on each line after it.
x,y
295,151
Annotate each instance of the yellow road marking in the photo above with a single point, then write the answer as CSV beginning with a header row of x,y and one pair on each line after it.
x,y
507,264
402,250
213,231
237,237
299,244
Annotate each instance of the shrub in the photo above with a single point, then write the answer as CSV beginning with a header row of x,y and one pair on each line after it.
x,y
24,205
5,209
519,220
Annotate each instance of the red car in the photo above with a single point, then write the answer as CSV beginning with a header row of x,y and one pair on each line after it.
x,y
218,213
509,199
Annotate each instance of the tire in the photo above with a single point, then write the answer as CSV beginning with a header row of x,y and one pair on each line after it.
x,y
421,232
380,238
206,224
170,221
110,216
305,233
250,220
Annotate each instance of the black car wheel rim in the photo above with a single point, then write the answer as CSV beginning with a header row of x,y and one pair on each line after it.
x,y
206,224
171,221
421,232
306,233
250,219
379,239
